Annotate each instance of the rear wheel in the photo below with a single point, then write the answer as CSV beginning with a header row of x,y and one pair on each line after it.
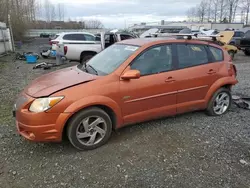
x,y
247,51
89,129
220,102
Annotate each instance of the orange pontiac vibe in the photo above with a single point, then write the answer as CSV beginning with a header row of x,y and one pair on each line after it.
x,y
131,81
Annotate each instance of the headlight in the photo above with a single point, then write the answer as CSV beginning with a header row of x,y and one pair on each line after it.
x,y
43,104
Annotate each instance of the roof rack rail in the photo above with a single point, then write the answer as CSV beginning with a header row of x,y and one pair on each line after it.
x,y
188,35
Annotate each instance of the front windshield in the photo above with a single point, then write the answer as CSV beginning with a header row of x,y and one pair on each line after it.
x,y
111,58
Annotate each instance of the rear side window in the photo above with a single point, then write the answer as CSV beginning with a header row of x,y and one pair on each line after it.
x,y
217,53
77,37
89,37
190,55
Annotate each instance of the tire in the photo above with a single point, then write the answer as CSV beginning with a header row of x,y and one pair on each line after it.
x,y
80,138
247,51
85,58
231,53
213,104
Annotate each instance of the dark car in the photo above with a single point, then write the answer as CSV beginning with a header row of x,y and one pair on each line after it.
x,y
238,35
245,43
44,35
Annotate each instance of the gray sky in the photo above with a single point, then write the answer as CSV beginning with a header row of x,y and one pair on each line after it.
x,y
118,13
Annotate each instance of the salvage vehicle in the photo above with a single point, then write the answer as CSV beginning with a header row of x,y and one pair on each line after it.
x,y
238,35
245,43
84,51
225,37
131,81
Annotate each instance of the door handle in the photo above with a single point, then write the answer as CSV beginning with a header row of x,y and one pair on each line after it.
x,y
170,79
211,71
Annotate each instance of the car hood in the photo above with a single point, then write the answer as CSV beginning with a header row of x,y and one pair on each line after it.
x,y
227,36
58,80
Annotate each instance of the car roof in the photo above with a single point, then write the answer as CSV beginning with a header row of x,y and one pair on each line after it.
x,y
155,41
81,32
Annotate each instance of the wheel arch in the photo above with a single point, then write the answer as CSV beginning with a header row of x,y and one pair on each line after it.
x,y
226,82
107,105
87,52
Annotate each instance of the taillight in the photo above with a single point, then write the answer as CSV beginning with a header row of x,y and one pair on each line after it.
x,y
53,42
65,50
235,70
231,69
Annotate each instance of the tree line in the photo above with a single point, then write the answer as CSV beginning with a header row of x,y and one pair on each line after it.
x,y
29,14
223,11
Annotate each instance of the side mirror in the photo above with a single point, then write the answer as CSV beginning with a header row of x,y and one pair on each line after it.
x,y
131,74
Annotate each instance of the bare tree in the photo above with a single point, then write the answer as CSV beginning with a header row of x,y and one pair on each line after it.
x,y
209,9
61,12
233,4
222,9
47,10
52,12
202,10
215,9
93,24
246,9
192,14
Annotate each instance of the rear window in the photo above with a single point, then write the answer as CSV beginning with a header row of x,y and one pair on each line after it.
x,y
238,34
217,53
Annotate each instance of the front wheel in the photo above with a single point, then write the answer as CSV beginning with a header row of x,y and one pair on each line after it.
x,y
89,129
220,102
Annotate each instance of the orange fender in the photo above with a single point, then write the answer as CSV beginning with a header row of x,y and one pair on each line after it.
x,y
218,84
96,100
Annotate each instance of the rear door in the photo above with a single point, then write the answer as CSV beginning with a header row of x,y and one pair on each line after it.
x,y
197,71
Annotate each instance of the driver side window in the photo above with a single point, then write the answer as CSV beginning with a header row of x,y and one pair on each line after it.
x,y
155,60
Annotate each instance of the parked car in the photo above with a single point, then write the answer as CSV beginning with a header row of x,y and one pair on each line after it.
x,y
83,51
238,35
226,44
44,35
129,82
245,43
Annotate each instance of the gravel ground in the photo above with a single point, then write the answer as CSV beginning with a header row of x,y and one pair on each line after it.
x,y
190,150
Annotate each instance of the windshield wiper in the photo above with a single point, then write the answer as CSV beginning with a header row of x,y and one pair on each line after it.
x,y
92,68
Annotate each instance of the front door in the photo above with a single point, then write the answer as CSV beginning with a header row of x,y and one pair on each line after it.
x,y
197,71
154,93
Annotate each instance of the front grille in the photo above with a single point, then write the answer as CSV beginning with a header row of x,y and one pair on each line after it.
x,y
22,99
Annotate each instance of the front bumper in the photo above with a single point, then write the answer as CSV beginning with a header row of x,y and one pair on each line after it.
x,y
38,127
41,130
